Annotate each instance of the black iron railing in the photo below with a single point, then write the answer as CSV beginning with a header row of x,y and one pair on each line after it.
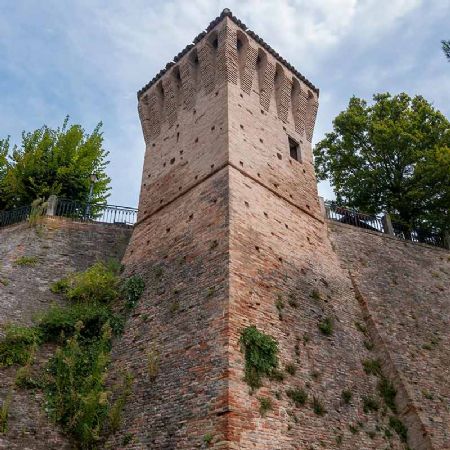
x,y
14,215
85,212
353,217
418,235
381,224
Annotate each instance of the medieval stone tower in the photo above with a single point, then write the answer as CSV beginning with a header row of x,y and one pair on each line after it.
x,y
230,234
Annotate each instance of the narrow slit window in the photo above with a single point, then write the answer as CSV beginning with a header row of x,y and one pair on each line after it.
x,y
294,150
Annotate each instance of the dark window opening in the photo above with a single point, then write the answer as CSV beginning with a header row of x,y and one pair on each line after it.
x,y
294,150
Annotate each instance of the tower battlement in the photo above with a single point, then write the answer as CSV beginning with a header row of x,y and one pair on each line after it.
x,y
227,52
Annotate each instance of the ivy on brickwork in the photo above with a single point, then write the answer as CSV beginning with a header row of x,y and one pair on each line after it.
x,y
261,355
74,383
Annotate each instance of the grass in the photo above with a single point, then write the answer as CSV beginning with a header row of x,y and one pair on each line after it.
x,y
346,396
298,396
207,438
318,407
388,392
290,368
265,405
370,404
152,362
27,261
372,367
279,304
326,326
18,345
4,412
397,425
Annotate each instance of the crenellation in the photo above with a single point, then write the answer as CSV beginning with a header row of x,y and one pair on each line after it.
x,y
207,59
283,87
226,53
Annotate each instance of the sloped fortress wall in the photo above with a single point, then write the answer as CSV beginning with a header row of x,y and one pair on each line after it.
x,y
230,235
405,290
59,247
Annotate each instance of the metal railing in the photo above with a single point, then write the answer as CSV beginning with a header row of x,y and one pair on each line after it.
x,y
382,224
14,215
118,215
418,235
353,217
85,212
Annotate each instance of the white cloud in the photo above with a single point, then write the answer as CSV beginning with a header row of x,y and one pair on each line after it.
x,y
89,59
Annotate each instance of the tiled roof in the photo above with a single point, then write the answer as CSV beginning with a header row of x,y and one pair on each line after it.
x,y
227,13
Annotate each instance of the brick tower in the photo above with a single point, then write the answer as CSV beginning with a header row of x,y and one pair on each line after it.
x,y
229,234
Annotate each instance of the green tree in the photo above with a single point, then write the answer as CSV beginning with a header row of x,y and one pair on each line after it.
x,y
56,161
4,148
446,48
391,156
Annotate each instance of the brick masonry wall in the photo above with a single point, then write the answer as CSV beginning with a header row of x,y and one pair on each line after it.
x,y
406,291
61,247
277,252
181,252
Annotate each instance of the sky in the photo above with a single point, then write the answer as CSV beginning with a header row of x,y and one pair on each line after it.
x,y
88,58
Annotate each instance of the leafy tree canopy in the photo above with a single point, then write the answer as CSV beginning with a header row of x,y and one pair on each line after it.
x,y
446,48
53,161
391,156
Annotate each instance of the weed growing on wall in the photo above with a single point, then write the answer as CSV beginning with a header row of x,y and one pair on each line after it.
x,y
326,326
75,384
261,355
4,412
27,261
298,396
265,405
18,345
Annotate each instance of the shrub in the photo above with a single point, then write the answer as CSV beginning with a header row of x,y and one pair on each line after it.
x,y
315,295
291,369
63,320
387,392
265,405
318,407
292,300
372,367
326,326
276,375
25,380
397,425
261,355
127,438
298,396
18,345
99,283
132,289
27,261
76,394
60,287
370,404
207,438
347,396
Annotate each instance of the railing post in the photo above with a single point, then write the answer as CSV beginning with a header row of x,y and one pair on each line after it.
x,y
51,205
322,207
387,224
447,240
